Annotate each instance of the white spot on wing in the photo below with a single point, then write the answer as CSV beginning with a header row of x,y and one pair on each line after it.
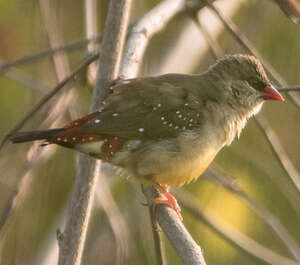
x,y
97,121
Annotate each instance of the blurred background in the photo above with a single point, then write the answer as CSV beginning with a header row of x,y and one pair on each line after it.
x,y
120,230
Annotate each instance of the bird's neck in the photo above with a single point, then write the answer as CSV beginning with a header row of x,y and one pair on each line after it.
x,y
237,120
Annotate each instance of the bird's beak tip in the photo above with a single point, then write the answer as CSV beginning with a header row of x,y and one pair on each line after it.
x,y
271,93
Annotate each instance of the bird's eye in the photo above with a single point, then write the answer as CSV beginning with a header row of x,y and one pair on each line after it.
x,y
256,84
236,92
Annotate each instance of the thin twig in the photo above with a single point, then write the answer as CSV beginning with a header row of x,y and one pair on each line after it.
x,y
157,237
230,233
278,150
158,241
47,53
91,26
17,195
228,183
288,89
291,8
61,63
115,218
47,97
26,79
214,48
71,245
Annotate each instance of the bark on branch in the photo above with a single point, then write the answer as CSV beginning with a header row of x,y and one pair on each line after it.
x,y
73,238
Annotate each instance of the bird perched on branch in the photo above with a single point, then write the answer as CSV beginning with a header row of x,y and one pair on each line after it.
x,y
166,130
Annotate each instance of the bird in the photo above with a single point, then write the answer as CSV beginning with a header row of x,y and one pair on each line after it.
x,y
166,130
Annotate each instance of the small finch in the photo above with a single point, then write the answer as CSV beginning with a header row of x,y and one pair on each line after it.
x,y
166,130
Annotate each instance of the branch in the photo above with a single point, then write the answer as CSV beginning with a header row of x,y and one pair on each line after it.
x,y
156,232
35,155
71,245
291,8
141,33
230,233
116,220
47,97
278,150
288,89
183,243
26,79
47,53
228,183
214,48
187,249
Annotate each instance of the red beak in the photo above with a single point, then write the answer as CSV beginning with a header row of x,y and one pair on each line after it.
x,y
271,93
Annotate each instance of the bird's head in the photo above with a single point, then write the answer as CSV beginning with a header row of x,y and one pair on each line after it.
x,y
250,84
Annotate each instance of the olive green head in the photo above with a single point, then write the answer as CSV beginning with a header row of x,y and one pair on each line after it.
x,y
246,79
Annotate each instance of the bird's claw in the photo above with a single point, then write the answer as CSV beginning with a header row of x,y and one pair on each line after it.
x,y
170,200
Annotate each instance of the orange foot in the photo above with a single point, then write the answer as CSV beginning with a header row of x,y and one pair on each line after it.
x,y
167,198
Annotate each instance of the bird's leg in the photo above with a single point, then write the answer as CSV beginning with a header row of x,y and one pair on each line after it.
x,y
166,198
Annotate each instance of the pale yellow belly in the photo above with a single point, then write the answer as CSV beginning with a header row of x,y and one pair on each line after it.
x,y
184,171
172,162
166,167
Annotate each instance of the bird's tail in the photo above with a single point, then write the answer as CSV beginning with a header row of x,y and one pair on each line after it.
x,y
21,137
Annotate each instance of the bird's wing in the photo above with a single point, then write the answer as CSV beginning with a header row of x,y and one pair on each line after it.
x,y
147,108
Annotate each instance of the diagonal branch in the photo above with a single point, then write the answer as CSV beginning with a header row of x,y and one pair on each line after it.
x,y
278,150
47,97
288,89
228,183
47,53
214,48
230,233
26,79
291,8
